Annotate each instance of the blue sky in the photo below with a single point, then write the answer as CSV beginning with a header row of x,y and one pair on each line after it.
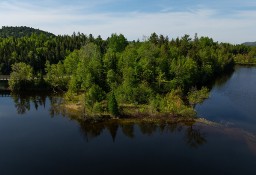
x,y
231,21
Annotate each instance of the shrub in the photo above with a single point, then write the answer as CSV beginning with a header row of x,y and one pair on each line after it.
x,y
21,77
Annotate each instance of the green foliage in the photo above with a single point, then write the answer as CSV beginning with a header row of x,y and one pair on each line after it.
x,y
156,104
143,93
111,79
71,62
185,72
97,108
172,103
90,68
149,72
112,104
187,112
21,77
22,31
73,85
117,42
56,76
110,60
37,48
156,72
197,96
93,95
245,56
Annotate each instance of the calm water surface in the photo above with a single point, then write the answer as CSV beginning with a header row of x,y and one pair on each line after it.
x,y
35,138
233,102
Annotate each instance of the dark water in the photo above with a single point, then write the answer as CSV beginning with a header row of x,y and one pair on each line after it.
x,y
36,138
233,102
3,84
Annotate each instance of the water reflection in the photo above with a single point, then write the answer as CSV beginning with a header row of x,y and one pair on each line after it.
x,y
23,102
232,100
193,135
220,81
3,85
91,129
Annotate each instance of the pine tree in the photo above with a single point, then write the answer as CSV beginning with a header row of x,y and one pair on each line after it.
x,y
112,105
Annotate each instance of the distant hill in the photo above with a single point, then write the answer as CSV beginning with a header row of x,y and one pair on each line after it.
x,y
22,31
250,43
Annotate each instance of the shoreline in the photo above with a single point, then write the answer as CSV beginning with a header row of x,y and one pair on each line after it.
x,y
74,112
244,64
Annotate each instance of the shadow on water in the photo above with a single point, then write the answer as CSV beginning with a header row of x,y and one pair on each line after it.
x,y
221,80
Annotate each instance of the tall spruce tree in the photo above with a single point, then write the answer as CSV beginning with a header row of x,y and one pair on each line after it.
x,y
112,105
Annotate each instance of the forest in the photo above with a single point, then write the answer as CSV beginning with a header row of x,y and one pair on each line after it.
x,y
22,31
115,76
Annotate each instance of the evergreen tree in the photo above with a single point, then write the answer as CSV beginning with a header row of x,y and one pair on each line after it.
x,y
112,105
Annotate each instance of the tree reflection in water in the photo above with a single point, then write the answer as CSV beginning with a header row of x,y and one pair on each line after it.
x,y
23,102
92,129
128,130
194,138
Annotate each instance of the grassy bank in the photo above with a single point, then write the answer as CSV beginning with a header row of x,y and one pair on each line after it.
x,y
77,105
132,115
129,114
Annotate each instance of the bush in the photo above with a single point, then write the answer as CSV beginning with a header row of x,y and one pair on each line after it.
x,y
97,107
172,102
155,104
188,112
197,96
21,77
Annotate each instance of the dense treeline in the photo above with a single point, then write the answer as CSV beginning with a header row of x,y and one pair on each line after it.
x,y
37,49
159,73
22,31
245,55
156,72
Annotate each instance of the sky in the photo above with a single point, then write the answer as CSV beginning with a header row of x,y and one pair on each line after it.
x,y
232,21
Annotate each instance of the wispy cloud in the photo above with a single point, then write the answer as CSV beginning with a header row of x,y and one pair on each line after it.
x,y
235,27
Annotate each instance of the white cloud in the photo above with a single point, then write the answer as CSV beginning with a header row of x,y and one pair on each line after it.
x,y
235,28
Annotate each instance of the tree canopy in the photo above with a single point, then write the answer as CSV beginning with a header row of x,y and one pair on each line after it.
x,y
160,73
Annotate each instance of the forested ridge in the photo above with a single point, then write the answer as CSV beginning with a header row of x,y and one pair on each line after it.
x,y
105,75
21,31
249,43
36,49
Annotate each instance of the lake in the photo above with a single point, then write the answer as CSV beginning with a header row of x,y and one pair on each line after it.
x,y
232,102
36,138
